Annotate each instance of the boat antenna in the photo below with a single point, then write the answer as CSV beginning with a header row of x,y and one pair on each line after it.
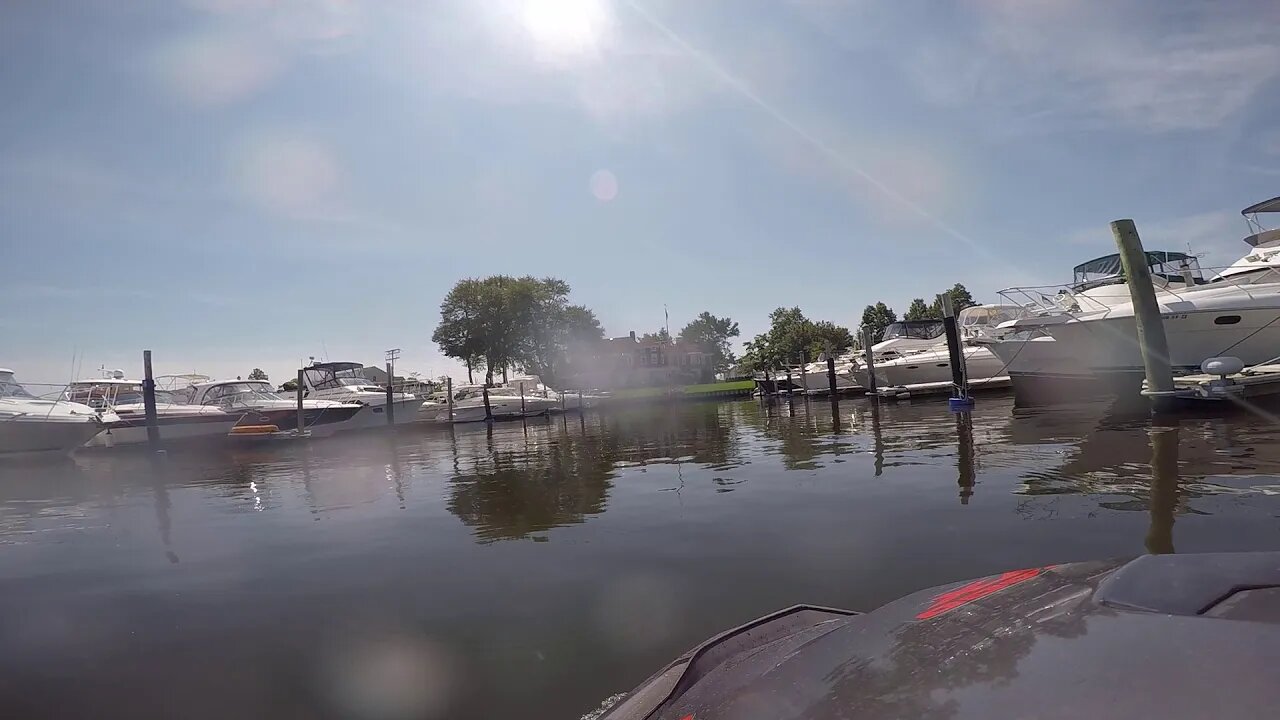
x,y
325,348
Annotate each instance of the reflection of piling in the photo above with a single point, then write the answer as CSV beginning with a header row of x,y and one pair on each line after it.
x,y
835,413
149,401
1164,489
1146,314
871,363
967,475
302,416
876,437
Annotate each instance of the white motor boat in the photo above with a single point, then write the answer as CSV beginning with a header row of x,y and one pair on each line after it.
x,y
504,403
345,382
30,425
933,365
1083,342
266,412
124,398
813,379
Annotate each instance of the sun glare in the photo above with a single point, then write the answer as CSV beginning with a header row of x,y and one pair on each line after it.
x,y
564,26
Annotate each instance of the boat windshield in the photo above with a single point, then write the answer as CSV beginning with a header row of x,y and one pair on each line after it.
x,y
914,329
331,376
240,393
100,395
1176,267
11,388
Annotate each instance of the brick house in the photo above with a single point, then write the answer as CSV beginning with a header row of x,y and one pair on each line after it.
x,y
626,362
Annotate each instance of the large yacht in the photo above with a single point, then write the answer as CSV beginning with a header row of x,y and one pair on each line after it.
x,y
933,365
263,408
123,397
1084,341
504,403
32,425
346,382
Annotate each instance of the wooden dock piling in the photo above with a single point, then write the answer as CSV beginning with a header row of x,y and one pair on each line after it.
x,y
871,363
391,403
960,395
831,373
448,392
1146,314
302,415
149,401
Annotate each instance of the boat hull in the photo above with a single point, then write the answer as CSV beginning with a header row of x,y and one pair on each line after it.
x,y
375,416
173,428
30,437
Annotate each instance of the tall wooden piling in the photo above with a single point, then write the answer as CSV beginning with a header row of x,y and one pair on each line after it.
x,y
1146,314
831,373
804,371
522,399
149,401
790,385
448,393
302,414
871,361
391,395
960,388
488,409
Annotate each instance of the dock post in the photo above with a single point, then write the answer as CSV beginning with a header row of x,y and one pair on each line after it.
x,y
391,404
302,414
1146,314
789,384
448,392
960,399
488,409
831,373
871,361
149,401
521,399
804,371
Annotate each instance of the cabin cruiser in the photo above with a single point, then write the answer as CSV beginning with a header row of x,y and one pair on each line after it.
x,y
933,365
1041,370
265,410
812,379
123,397
504,403
32,425
346,382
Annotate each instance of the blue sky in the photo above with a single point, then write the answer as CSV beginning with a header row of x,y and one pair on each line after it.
x,y
244,183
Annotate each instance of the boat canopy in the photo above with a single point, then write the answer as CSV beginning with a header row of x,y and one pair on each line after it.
x,y
1266,206
1163,263
330,375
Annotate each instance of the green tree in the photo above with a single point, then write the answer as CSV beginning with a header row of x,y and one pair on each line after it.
x,y
463,330
960,299
257,374
712,334
502,322
919,310
290,385
878,317
662,336
830,338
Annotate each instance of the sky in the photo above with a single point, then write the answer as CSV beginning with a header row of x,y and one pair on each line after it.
x,y
249,183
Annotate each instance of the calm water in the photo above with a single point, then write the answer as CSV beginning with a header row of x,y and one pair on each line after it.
x,y
532,571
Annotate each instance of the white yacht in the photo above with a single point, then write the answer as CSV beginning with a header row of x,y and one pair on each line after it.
x,y
346,382
906,337
504,403
1088,346
933,365
31,425
123,397
264,410
813,380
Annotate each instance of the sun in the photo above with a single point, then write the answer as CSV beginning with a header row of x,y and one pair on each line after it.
x,y
564,26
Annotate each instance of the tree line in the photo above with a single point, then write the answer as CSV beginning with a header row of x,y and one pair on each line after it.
x,y
879,316
500,323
